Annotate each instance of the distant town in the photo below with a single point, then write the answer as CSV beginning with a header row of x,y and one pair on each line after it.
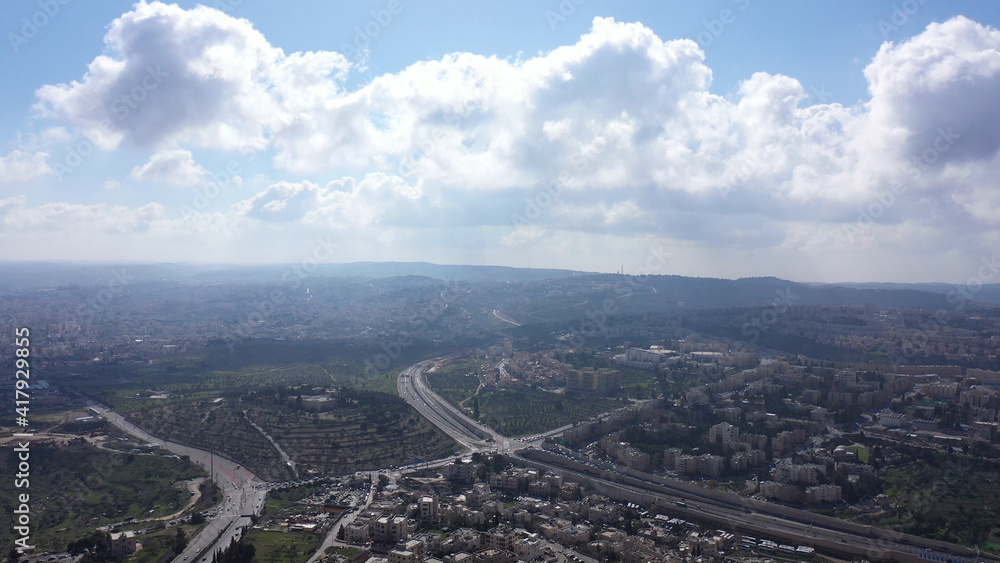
x,y
569,418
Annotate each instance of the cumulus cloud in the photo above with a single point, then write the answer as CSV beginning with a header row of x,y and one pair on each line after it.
x,y
171,166
341,203
20,166
197,76
617,133
74,219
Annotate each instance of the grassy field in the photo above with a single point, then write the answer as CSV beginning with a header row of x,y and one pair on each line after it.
x,y
519,411
456,382
280,499
76,488
283,547
950,500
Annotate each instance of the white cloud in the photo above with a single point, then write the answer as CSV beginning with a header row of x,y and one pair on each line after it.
x,y
19,166
616,134
197,76
76,219
171,166
341,203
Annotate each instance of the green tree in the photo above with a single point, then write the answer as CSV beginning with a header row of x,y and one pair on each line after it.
x,y
179,542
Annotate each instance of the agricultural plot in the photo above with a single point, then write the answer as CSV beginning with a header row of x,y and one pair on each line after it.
x,y
361,429
517,412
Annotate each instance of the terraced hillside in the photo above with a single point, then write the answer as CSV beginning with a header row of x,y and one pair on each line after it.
x,y
361,430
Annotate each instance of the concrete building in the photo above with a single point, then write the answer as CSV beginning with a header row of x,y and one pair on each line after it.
x,y
427,509
501,537
357,532
600,381
390,529
822,494
122,544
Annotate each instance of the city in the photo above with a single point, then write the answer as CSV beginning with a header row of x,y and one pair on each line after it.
x,y
569,281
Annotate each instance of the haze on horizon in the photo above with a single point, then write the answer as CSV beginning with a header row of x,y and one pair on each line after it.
x,y
832,142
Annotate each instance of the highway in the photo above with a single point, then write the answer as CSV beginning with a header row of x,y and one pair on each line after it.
x,y
243,492
413,388
764,519
720,508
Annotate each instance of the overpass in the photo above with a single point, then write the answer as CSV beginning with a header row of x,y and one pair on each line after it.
x,y
719,508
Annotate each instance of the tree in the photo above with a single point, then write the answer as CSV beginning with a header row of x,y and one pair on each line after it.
x,y
475,407
179,542
237,552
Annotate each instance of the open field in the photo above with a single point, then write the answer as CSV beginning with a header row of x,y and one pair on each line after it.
x,y
282,547
946,499
78,487
518,411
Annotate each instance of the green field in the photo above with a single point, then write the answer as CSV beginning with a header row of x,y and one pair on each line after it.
x,y
76,488
456,382
517,411
950,500
283,547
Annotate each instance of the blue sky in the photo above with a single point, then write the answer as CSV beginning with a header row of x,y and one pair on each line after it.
x,y
817,141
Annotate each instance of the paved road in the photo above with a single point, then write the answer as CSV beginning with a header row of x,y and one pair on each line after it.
x,y
284,456
413,388
805,527
331,537
244,493
766,519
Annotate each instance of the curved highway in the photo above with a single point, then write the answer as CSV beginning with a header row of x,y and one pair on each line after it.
x,y
243,492
412,386
725,509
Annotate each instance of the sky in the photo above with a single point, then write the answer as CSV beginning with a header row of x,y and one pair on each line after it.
x,y
823,141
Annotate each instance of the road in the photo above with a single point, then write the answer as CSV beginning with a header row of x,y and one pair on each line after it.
x,y
413,388
762,518
244,493
284,456
723,509
331,537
